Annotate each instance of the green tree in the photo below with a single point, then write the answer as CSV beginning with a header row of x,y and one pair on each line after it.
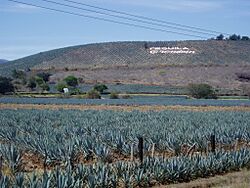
x,y
42,84
32,83
60,86
71,81
234,37
44,75
245,38
6,85
201,91
100,87
45,87
18,74
220,37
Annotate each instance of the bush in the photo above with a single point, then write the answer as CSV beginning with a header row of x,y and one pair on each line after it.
x,y
126,97
6,85
114,95
45,87
201,91
32,83
93,94
60,86
71,81
100,87
44,75
75,91
246,90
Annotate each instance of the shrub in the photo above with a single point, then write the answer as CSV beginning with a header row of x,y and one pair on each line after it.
x,y
44,75
114,95
60,86
126,97
42,84
75,91
100,87
246,90
93,94
6,85
32,83
201,91
45,87
71,81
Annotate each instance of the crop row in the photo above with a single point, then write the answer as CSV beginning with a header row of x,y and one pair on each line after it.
x,y
48,140
136,100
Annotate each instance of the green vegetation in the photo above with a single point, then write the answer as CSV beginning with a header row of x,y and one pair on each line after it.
x,y
114,95
99,148
32,83
135,52
6,85
100,87
44,75
60,86
71,81
93,94
201,91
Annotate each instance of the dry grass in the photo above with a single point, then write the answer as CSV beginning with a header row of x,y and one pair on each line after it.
x,y
231,180
123,108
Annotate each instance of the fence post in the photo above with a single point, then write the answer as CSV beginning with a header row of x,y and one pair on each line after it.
x,y
213,143
132,153
1,166
153,150
140,148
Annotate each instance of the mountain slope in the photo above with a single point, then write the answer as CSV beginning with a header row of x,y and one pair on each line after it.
x,y
134,53
3,61
215,62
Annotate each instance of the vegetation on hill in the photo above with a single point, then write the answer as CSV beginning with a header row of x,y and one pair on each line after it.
x,y
132,53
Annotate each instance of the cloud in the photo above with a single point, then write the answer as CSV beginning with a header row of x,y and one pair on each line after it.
x,y
15,7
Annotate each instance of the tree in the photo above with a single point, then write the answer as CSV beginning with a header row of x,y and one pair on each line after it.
x,y
71,81
234,37
6,85
100,87
60,86
42,84
245,38
201,91
32,83
18,74
44,75
220,37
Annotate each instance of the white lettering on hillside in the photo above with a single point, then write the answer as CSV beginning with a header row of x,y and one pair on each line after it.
x,y
170,50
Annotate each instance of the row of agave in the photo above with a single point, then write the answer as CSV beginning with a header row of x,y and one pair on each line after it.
x,y
60,135
126,174
136,100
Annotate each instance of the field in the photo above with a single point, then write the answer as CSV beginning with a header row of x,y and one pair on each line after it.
x,y
162,100
98,148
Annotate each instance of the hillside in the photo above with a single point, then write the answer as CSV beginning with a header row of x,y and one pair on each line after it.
x,y
214,62
3,61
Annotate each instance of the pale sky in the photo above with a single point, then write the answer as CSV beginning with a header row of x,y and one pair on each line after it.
x,y
26,30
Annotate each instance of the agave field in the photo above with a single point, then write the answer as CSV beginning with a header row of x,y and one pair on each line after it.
x,y
71,148
135,100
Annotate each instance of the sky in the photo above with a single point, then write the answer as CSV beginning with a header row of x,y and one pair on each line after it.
x,y
26,30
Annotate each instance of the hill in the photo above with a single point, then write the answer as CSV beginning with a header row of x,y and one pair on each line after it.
x,y
3,61
154,63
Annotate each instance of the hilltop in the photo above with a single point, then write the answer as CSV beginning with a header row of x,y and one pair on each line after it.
x,y
218,63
